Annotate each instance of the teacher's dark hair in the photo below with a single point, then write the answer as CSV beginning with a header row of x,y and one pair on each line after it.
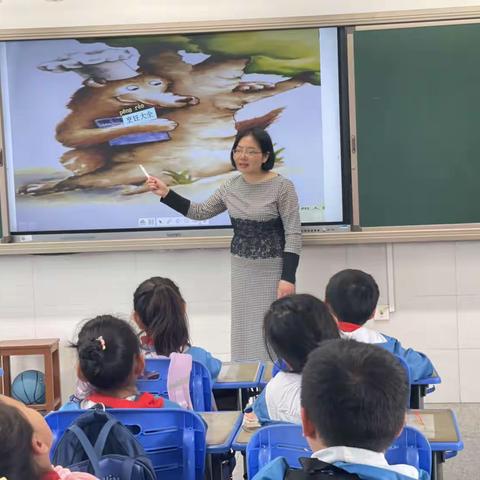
x,y
296,325
264,141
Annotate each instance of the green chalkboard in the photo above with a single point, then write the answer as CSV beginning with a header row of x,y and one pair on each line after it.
x,y
418,125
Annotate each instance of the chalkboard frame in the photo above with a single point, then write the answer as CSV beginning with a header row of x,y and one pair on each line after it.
x,y
368,235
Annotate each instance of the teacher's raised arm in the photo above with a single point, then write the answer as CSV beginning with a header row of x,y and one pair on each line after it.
x,y
266,243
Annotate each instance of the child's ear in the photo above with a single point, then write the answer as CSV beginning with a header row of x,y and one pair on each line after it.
x,y
39,447
138,321
308,428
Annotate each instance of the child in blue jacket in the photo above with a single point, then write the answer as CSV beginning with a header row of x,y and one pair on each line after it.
x,y
352,296
354,398
160,311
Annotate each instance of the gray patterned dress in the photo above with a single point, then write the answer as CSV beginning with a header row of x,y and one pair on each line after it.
x,y
265,248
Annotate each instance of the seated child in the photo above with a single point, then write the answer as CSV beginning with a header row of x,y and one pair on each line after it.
x,y
352,296
25,443
160,311
110,362
293,327
354,398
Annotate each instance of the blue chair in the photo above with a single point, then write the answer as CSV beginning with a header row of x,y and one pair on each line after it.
x,y
276,440
286,440
200,382
411,448
174,440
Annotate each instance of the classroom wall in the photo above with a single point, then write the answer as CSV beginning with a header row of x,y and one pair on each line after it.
x,y
436,286
48,13
436,290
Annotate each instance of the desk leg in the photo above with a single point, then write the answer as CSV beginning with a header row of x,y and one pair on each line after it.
x,y
7,376
240,400
416,399
49,382
244,457
437,466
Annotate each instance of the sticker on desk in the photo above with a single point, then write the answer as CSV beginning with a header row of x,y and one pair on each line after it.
x,y
425,422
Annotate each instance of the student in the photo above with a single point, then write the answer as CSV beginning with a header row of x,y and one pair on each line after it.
x,y
354,398
25,443
352,295
160,311
293,327
110,361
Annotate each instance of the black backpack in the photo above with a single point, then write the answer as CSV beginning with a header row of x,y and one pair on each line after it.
x,y
99,444
314,469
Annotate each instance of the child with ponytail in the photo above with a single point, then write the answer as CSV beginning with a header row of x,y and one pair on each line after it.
x,y
160,312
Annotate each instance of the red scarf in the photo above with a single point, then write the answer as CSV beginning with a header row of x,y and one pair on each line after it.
x,y
348,327
145,400
51,475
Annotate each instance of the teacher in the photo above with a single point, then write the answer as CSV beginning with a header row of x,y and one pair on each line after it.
x,y
266,243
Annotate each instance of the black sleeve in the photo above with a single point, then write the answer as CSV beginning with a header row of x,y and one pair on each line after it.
x,y
290,264
176,201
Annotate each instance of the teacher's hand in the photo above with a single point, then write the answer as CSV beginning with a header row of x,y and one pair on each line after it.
x,y
285,288
157,187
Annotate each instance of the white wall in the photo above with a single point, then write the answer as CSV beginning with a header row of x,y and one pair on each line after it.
x,y
437,297
44,13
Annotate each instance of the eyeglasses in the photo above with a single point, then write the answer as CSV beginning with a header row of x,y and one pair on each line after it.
x,y
249,152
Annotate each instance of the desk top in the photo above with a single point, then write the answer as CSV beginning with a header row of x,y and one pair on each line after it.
x,y
438,425
222,427
29,343
240,373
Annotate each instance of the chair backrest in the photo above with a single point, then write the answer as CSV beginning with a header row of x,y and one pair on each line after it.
x,y
411,448
286,440
200,382
173,439
276,440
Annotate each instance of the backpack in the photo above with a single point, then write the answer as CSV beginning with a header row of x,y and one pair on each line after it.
x,y
314,469
178,379
99,444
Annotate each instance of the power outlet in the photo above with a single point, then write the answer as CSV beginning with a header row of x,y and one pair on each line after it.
x,y
382,313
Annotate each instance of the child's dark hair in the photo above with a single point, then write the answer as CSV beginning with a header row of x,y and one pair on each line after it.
x,y
161,308
16,455
355,394
352,296
294,326
107,348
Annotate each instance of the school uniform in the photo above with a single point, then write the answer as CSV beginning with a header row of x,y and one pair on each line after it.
x,y
141,400
419,364
198,354
368,465
280,399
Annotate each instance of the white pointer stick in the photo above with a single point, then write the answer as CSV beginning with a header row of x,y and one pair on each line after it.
x,y
144,171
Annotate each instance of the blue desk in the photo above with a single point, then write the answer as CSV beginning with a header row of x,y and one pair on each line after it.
x,y
222,427
440,426
238,375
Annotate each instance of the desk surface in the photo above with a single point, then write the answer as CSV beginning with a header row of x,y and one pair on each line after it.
x,y
244,372
438,425
221,426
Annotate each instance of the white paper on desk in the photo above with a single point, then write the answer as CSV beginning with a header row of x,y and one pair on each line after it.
x,y
425,422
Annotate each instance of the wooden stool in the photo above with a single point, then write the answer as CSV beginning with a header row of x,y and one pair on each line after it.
x,y
48,347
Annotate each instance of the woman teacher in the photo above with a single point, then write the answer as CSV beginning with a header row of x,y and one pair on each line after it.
x,y
266,244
